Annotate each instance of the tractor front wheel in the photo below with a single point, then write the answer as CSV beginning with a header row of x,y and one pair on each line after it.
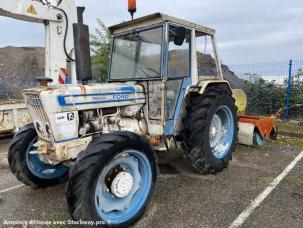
x,y
29,167
210,130
112,181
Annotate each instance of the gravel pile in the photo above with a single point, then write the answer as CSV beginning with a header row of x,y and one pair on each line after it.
x,y
207,66
18,68
20,65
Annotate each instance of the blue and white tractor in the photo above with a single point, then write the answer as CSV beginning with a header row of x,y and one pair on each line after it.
x,y
103,139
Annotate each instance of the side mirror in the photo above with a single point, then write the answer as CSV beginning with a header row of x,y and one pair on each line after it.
x,y
180,36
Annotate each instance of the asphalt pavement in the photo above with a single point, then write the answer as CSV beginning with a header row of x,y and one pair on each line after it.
x,y
184,198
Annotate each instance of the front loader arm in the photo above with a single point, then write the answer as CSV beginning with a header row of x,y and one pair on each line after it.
x,y
28,10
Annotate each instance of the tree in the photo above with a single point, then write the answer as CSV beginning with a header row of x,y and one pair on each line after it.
x,y
264,97
100,47
297,88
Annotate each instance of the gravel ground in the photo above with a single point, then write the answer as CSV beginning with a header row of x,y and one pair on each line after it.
x,y
183,198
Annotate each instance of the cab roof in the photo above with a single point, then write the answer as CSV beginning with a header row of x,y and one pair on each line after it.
x,y
157,18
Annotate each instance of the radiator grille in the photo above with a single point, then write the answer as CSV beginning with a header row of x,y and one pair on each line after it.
x,y
39,116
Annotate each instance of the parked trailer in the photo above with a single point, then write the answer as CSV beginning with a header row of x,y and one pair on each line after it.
x,y
13,116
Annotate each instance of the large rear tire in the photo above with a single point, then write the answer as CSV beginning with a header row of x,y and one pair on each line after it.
x,y
28,167
210,130
113,181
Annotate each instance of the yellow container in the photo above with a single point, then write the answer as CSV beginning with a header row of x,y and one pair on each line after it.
x,y
241,100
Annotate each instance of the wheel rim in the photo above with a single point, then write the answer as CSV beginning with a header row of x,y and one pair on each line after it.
x,y
119,205
221,133
41,169
259,140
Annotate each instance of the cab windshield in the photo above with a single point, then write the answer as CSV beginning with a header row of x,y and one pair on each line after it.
x,y
137,55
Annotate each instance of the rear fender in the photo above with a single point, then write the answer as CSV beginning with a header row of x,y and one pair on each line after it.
x,y
200,88
203,85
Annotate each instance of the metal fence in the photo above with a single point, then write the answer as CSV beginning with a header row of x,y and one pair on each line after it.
x,y
273,88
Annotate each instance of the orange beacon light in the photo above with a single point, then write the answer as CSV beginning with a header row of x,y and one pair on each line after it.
x,y
132,7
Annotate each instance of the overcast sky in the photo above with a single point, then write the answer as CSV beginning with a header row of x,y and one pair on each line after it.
x,y
247,31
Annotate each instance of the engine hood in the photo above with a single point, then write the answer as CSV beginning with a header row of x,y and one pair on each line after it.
x,y
55,109
84,97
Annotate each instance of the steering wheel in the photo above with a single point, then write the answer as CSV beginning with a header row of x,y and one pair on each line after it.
x,y
145,74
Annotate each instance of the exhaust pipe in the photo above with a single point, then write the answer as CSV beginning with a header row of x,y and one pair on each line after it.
x,y
82,49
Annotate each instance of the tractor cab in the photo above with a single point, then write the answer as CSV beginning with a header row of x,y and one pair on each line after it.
x,y
159,51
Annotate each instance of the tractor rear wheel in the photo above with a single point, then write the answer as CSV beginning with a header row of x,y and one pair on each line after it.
x,y
113,180
210,130
30,168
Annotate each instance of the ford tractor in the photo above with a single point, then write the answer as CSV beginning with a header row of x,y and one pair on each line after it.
x,y
103,139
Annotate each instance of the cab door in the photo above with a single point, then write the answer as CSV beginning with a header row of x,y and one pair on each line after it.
x,y
178,75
